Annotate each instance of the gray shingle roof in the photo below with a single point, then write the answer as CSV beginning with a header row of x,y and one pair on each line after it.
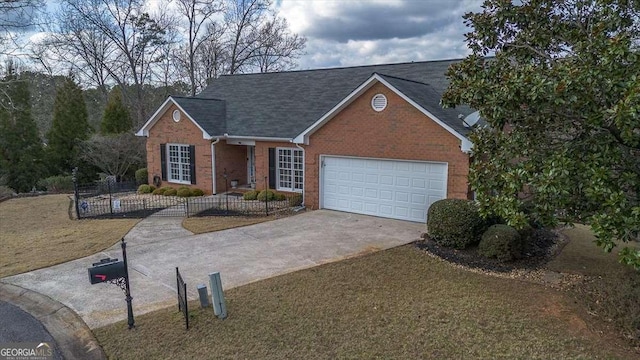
x,y
285,104
208,113
428,98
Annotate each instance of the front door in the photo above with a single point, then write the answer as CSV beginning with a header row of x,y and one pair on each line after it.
x,y
251,164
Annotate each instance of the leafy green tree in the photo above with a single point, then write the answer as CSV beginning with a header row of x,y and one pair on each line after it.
x,y
21,153
561,98
69,127
116,118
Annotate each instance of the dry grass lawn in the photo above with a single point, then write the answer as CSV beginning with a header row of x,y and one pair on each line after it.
x,y
36,232
199,225
581,256
400,303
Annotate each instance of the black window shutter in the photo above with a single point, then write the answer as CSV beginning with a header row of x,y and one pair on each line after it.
x,y
192,163
272,168
163,161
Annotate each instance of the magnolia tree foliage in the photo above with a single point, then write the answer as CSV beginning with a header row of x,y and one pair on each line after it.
x,y
561,98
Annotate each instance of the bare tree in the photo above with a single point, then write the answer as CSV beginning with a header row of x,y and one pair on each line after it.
x,y
114,154
278,48
116,37
243,20
258,39
199,14
212,55
16,16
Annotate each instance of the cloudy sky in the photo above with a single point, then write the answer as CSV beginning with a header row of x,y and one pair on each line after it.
x,y
363,32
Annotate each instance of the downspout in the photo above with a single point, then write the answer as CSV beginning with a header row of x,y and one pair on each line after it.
x,y
304,171
213,166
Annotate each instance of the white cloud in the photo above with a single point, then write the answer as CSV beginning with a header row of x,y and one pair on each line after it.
x,y
361,32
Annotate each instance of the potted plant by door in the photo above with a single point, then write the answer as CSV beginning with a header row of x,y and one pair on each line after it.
x,y
234,184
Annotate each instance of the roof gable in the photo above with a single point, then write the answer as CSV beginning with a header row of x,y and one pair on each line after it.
x,y
207,114
421,96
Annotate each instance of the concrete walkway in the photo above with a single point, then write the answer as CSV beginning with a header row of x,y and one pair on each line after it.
x,y
156,246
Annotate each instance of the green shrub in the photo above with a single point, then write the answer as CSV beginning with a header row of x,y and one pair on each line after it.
x,y
295,200
197,192
57,184
183,192
170,192
250,195
159,191
454,223
279,197
501,242
144,189
266,195
142,176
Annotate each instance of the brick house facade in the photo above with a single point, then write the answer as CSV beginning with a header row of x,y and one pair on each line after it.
x,y
403,132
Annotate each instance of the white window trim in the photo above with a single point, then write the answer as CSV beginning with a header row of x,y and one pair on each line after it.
x,y
278,187
168,149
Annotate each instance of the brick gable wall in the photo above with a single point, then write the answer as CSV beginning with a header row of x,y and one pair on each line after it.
x,y
398,132
185,132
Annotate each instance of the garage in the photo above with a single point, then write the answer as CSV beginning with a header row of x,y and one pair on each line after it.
x,y
388,188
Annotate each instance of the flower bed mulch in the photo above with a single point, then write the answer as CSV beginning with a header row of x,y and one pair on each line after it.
x,y
542,246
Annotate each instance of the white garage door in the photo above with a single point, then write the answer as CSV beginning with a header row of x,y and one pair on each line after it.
x,y
387,188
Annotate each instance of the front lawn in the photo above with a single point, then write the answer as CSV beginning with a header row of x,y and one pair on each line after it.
x,y
199,225
36,232
399,303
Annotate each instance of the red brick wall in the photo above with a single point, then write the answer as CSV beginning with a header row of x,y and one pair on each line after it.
x,y
183,132
262,160
233,158
398,132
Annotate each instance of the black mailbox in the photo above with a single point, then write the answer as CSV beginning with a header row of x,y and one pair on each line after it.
x,y
105,270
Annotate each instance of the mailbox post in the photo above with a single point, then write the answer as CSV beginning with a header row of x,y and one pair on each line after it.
x,y
114,272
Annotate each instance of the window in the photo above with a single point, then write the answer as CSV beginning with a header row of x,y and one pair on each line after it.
x,y
290,169
179,164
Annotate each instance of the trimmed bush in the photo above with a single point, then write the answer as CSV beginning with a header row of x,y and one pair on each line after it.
x,y
57,184
197,192
170,192
159,191
250,195
279,197
144,189
183,192
454,223
142,176
501,242
266,195
295,200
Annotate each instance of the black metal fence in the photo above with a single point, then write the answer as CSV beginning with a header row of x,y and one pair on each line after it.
x,y
120,200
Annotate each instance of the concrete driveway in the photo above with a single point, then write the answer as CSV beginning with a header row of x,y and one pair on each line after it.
x,y
156,246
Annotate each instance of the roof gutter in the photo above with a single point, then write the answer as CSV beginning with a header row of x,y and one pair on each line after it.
x,y
258,138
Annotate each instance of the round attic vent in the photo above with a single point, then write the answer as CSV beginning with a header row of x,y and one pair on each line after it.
x,y
176,115
379,102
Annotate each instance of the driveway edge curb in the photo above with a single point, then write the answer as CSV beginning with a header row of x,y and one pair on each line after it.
x,y
74,338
